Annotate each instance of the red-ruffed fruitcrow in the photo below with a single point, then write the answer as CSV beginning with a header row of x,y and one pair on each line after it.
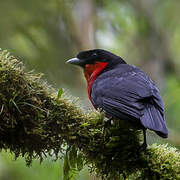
x,y
122,91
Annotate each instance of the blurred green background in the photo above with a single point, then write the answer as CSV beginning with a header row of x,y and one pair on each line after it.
x,y
44,34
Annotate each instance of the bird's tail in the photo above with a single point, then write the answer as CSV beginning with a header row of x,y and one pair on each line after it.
x,y
154,120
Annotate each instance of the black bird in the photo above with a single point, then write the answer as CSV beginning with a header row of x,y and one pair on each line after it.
x,y
121,90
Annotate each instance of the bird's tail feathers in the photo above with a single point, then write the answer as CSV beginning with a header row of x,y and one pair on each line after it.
x,y
153,120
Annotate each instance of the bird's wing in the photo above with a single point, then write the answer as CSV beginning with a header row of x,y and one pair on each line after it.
x,y
125,94
120,93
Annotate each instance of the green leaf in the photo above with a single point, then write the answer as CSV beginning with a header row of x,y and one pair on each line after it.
x,y
79,162
84,124
60,92
73,157
66,168
70,161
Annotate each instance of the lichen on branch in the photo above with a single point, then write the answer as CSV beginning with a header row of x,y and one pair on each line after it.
x,y
36,121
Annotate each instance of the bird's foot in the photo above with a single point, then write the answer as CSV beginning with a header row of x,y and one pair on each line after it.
x,y
138,151
108,122
144,144
142,148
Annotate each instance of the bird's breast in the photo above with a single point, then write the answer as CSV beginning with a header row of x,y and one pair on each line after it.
x,y
91,72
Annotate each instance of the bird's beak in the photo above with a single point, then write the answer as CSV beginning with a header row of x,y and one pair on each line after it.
x,y
75,61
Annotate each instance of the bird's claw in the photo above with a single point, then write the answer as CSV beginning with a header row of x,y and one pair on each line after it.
x,y
108,122
142,148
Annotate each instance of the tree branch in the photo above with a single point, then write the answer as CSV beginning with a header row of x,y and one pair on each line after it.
x,y
34,122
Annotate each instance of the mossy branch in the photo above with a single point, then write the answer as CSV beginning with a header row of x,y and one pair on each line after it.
x,y
35,122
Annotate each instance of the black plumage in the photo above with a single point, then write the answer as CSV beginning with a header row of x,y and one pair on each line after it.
x,y
126,92
122,91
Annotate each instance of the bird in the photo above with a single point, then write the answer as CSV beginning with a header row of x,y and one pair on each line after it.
x,y
122,91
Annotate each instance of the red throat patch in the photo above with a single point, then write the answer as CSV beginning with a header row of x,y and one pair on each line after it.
x,y
91,72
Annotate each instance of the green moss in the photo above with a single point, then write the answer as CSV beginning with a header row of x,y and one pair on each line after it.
x,y
163,162
36,120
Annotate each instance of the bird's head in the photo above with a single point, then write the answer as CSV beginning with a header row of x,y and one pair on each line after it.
x,y
94,56
95,60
